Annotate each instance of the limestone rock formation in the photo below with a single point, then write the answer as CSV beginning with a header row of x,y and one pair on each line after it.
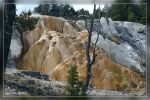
x,y
47,52
54,45
121,53
124,42
47,23
106,74
54,52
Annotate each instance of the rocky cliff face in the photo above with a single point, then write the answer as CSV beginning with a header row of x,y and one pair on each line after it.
x,y
55,44
47,23
124,42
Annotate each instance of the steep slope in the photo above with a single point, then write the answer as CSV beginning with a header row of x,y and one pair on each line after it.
x,y
47,52
124,42
55,44
47,23
54,52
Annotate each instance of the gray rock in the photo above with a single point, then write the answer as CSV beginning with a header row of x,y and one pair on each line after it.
x,y
80,24
97,92
21,84
131,49
122,53
131,33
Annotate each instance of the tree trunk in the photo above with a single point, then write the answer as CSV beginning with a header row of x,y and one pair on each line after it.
x,y
88,65
88,59
9,16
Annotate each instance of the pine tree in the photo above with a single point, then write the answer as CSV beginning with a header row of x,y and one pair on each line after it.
x,y
131,17
55,10
26,21
74,87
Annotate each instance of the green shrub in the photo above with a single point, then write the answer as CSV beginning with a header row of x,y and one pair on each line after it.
x,y
74,86
124,86
25,21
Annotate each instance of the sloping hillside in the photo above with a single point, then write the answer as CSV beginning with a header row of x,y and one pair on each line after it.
x,y
55,44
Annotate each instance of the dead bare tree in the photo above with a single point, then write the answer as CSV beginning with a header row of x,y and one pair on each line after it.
x,y
90,61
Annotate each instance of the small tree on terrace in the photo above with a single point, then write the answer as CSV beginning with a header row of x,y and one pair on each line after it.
x,y
74,87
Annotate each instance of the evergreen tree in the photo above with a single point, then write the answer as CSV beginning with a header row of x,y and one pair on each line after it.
x,y
38,9
83,12
65,11
123,1
26,21
74,87
131,17
128,12
97,12
45,9
119,12
55,10
42,9
143,13
143,19
72,13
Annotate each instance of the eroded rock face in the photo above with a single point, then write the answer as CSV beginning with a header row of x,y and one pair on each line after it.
x,y
106,74
134,34
121,53
54,45
47,23
46,53
123,41
127,37
54,53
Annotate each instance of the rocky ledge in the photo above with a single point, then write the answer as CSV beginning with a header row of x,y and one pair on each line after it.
x,y
27,83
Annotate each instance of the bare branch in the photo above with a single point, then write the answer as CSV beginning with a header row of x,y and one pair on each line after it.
x,y
82,16
88,58
94,49
85,17
92,20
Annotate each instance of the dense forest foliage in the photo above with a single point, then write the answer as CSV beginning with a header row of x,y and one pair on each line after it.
x,y
128,12
118,12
